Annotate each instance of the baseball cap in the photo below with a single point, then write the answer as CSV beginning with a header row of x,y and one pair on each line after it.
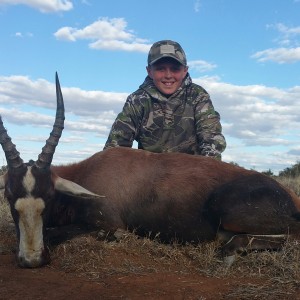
x,y
166,48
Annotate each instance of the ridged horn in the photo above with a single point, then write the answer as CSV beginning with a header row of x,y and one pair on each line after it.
x,y
13,158
45,158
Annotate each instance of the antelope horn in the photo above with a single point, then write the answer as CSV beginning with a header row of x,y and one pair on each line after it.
x,y
45,158
13,159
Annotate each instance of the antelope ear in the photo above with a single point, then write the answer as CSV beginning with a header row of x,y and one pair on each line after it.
x,y
73,189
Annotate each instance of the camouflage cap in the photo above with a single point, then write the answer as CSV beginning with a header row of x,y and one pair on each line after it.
x,y
166,48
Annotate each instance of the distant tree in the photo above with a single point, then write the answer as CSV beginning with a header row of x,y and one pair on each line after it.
x,y
293,171
268,172
234,163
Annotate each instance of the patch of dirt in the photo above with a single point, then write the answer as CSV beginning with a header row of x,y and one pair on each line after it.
x,y
84,267
50,283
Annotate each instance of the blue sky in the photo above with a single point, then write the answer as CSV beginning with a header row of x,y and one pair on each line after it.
x,y
245,53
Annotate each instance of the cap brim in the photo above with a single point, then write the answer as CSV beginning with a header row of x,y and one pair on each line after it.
x,y
167,56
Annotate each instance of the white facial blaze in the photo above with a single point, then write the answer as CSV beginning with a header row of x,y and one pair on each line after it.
x,y
29,181
30,223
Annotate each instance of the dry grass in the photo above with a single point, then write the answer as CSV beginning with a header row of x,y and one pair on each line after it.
x,y
7,233
292,183
278,273
4,213
90,257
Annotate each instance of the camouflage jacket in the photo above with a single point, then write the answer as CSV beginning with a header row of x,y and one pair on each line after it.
x,y
185,122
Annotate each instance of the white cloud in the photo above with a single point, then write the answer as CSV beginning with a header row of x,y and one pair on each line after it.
x,y
288,36
249,113
289,50
261,123
45,6
279,55
86,2
23,35
66,34
120,45
105,34
201,65
21,90
256,115
287,31
197,6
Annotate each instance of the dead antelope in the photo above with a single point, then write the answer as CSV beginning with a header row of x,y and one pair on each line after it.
x,y
178,196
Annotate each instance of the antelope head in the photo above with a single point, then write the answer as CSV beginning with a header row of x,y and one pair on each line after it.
x,y
30,191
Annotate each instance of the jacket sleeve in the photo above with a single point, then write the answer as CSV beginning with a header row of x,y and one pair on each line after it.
x,y
123,130
211,141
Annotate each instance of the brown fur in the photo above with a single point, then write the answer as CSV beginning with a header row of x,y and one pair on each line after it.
x,y
179,196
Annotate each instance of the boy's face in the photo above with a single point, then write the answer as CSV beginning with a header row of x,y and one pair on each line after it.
x,y
167,75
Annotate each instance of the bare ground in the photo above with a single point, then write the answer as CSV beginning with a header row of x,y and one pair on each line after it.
x,y
51,283
135,268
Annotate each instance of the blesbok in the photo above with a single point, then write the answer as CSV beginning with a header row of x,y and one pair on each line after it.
x,y
178,196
